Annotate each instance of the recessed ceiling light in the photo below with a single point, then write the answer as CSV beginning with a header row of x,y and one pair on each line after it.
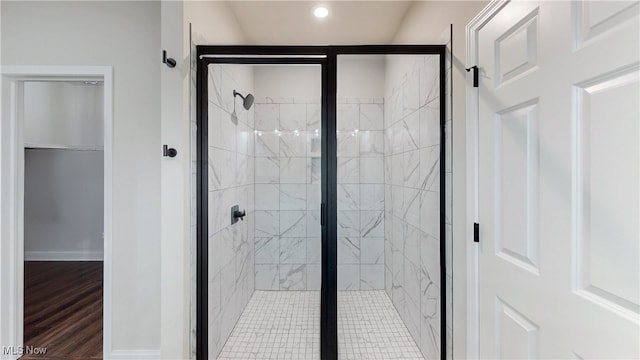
x,y
320,12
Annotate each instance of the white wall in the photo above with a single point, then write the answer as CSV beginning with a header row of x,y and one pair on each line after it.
x,y
64,202
212,22
63,114
424,24
124,35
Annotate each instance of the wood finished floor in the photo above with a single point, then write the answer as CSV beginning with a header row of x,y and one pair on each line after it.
x,y
63,309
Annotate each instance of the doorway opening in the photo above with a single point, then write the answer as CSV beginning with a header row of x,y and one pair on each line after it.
x,y
56,136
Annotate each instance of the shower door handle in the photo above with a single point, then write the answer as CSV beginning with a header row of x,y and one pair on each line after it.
x,y
322,214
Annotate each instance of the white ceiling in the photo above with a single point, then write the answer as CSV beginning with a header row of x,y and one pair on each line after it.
x,y
292,22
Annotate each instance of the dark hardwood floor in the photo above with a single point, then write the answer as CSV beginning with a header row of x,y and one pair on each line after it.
x,y
63,309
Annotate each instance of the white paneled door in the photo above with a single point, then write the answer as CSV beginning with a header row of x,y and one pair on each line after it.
x,y
558,180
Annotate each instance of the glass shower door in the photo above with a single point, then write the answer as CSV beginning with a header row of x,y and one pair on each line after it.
x,y
388,204
263,200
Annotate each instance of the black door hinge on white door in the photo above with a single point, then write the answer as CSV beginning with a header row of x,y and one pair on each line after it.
x,y
475,75
476,232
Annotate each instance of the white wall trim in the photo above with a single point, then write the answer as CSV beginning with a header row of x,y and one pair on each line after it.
x,y
473,256
63,255
135,354
12,189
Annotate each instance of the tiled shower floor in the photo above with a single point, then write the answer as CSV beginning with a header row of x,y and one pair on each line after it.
x,y
286,325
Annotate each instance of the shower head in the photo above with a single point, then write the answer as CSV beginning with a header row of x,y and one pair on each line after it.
x,y
246,101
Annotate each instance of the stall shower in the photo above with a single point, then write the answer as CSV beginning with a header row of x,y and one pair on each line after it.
x,y
264,208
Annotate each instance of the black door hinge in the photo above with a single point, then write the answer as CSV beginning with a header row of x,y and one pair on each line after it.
x,y
476,232
475,75
322,214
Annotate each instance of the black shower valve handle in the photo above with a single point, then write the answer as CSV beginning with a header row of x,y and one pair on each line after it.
x,y
240,214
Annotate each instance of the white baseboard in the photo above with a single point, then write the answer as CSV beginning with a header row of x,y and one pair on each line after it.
x,y
63,256
135,354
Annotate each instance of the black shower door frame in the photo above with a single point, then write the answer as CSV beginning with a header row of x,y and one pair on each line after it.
x,y
326,57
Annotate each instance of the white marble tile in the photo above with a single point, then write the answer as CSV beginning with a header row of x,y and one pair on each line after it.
x,y
397,172
411,207
348,116
222,169
293,144
348,250
267,170
412,244
410,94
293,277
372,223
412,317
244,170
293,224
267,277
314,250
267,251
430,80
222,208
348,197
411,131
293,250
267,144
372,250
372,170
388,260
371,117
387,280
221,129
348,277
293,197
398,137
349,223
388,173
430,257
430,213
267,223
293,117
411,169
314,277
314,143
372,196
397,200
371,143
347,143
314,197
293,170
371,277
429,125
348,170
267,196
314,165
397,238
214,84
267,117
430,168
313,224
313,117
227,283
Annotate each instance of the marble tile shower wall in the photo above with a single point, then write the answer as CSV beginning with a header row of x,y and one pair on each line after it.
x,y
231,182
360,185
287,194
412,201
